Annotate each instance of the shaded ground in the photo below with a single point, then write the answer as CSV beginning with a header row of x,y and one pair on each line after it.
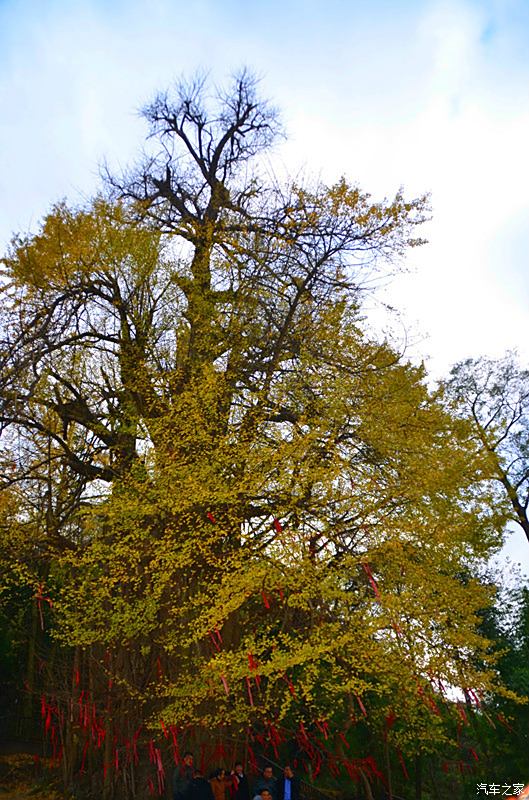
x,y
24,776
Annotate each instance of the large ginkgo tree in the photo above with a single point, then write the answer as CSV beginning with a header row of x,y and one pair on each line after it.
x,y
243,518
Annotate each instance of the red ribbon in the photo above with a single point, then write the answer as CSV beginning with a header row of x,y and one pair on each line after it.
x,y
40,598
352,771
474,697
344,740
152,755
390,720
291,687
159,770
174,745
252,760
249,689
403,765
372,581
462,713
473,754
277,525
362,707
504,722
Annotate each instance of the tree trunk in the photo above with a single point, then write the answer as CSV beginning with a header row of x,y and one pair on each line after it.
x,y
27,708
418,777
388,769
367,785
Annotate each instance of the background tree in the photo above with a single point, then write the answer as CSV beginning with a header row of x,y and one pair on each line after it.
x,y
508,625
255,523
496,396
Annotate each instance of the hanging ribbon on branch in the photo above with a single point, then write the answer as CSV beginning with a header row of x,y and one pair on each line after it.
x,y
83,758
351,770
291,687
249,690
173,730
372,581
473,754
274,738
323,727
304,741
252,760
472,696
426,699
253,664
389,721
362,707
160,772
461,712
42,598
502,719
403,765
344,740
333,766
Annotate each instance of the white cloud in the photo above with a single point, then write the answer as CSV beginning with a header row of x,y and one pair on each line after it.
x,y
433,96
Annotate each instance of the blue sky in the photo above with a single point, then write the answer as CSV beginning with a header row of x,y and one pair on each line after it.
x,y
433,96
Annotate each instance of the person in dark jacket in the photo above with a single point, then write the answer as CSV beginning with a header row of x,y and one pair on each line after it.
x,y
287,786
182,777
240,789
200,788
266,781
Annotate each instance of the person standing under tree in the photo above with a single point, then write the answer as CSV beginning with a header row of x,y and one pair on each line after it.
x,y
182,777
266,781
240,789
218,784
287,786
